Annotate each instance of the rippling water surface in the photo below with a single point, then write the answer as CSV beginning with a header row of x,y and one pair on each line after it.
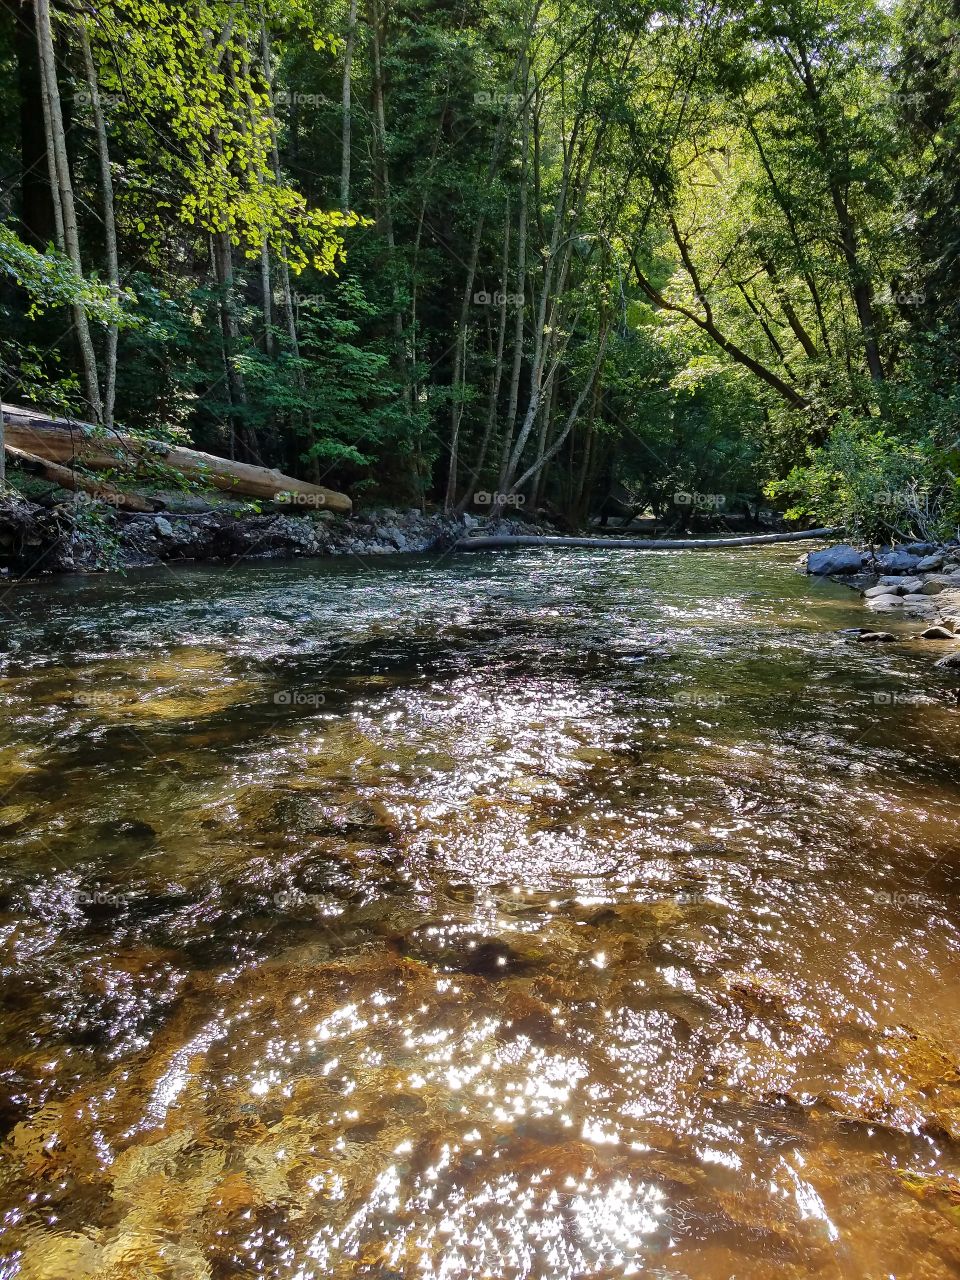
x,y
557,915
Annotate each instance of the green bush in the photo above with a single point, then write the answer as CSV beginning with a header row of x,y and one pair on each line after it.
x,y
877,486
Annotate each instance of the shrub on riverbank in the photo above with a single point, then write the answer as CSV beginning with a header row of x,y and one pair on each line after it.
x,y
877,485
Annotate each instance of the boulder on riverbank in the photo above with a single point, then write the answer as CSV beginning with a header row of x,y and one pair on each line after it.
x,y
920,580
841,559
893,565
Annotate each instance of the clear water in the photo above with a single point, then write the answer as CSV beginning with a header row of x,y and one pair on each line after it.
x,y
563,914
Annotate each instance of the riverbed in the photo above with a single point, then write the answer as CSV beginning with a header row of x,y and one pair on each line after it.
x,y
551,914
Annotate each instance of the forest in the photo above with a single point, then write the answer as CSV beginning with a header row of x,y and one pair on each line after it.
x,y
536,253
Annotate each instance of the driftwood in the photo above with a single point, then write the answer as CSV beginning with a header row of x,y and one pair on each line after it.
x,y
483,542
67,478
59,440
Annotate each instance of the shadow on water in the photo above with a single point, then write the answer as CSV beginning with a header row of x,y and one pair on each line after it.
x,y
561,914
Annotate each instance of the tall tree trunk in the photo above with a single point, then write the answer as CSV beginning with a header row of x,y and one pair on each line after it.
x,y
459,380
806,271
579,498
109,222
53,176
346,107
513,401
289,314
36,209
546,423
571,419
62,183
385,211
460,356
497,375
266,287
551,296
230,329
861,288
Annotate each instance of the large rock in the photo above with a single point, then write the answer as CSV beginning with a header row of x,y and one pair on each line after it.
x,y
936,633
951,661
898,585
883,604
839,559
875,637
899,561
395,538
934,585
930,564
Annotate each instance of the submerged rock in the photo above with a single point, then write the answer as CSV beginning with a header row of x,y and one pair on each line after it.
x,y
876,637
466,951
128,829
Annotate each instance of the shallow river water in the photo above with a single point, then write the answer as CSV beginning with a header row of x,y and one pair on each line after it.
x,y
562,914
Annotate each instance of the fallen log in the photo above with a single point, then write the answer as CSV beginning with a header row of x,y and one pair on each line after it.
x,y
73,480
483,542
61,440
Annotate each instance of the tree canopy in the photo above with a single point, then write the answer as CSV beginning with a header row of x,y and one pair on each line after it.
x,y
537,251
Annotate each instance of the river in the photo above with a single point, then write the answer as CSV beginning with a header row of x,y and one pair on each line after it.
x,y
557,914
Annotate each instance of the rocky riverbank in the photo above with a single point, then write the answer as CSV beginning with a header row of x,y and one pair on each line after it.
x,y
88,537
917,582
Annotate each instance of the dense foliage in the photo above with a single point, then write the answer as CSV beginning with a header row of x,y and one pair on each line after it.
x,y
540,252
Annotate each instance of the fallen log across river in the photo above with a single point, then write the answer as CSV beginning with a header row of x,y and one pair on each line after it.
x,y
494,542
